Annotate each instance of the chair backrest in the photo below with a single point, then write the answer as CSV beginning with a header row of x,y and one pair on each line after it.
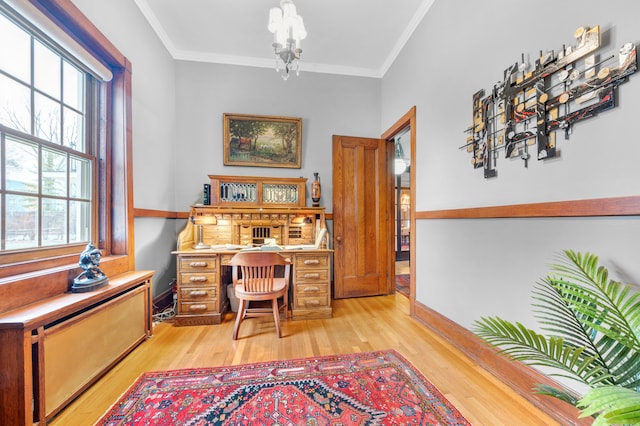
x,y
258,269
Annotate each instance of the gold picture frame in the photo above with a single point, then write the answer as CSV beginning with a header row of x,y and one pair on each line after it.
x,y
262,141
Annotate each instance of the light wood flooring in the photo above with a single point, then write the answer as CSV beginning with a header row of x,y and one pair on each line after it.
x,y
362,324
402,267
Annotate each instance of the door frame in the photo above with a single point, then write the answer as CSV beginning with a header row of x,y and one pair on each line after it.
x,y
408,119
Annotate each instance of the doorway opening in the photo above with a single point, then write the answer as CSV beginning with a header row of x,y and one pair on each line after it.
x,y
402,224
402,192
402,137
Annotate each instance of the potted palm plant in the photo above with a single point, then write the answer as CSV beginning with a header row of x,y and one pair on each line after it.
x,y
592,327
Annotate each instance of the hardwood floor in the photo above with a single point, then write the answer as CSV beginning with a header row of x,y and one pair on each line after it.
x,y
402,267
362,324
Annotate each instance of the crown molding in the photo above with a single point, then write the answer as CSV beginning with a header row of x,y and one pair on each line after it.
x,y
247,61
406,34
153,20
208,57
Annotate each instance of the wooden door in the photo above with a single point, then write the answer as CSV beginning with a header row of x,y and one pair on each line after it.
x,y
360,216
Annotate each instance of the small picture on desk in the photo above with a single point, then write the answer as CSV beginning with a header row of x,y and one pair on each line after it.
x,y
262,141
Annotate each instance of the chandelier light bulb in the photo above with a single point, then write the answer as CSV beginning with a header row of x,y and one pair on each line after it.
x,y
298,25
275,19
399,165
288,10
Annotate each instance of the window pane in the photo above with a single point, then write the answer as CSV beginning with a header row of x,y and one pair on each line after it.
x,y
73,86
73,130
15,50
22,222
21,166
79,178
54,222
15,105
79,221
46,192
46,119
46,67
54,173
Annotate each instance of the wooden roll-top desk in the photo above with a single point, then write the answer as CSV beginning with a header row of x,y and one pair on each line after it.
x,y
252,213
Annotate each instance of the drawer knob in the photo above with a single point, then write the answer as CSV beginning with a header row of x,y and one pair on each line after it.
x,y
198,293
198,264
316,275
311,261
312,303
311,289
198,307
198,279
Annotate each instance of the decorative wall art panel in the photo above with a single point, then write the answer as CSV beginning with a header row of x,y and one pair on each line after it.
x,y
528,108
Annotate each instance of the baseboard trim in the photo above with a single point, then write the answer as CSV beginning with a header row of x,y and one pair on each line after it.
x,y
163,300
519,377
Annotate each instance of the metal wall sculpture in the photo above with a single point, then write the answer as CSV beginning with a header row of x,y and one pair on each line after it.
x,y
528,107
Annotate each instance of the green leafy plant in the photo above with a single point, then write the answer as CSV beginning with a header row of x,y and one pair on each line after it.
x,y
593,336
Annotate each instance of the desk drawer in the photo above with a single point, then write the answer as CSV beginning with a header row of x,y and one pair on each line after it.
x,y
311,289
312,301
191,294
305,261
198,279
198,263
196,308
312,276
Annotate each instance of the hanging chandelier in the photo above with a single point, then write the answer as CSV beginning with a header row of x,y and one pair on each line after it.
x,y
399,164
288,29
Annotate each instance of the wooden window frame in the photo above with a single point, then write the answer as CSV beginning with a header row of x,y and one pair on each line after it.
x,y
114,186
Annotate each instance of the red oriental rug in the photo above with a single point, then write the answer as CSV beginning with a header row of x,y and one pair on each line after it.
x,y
402,284
370,388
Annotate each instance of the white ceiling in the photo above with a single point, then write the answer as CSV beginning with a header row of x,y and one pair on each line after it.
x,y
351,37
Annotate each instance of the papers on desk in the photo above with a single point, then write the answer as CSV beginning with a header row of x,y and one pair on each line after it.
x,y
234,247
275,247
264,247
301,247
228,247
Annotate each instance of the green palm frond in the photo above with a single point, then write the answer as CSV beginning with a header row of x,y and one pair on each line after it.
x,y
593,327
528,346
557,393
612,405
605,305
555,315
608,311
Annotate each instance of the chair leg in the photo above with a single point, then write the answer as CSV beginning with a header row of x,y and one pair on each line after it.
x,y
276,315
285,300
239,318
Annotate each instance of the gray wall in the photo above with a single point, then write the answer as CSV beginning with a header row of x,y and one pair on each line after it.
x,y
177,124
471,268
465,268
328,105
154,129
461,47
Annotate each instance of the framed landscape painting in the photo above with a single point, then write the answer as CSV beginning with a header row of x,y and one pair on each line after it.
x,y
262,141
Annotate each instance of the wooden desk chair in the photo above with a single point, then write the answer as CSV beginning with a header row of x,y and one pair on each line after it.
x,y
259,283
